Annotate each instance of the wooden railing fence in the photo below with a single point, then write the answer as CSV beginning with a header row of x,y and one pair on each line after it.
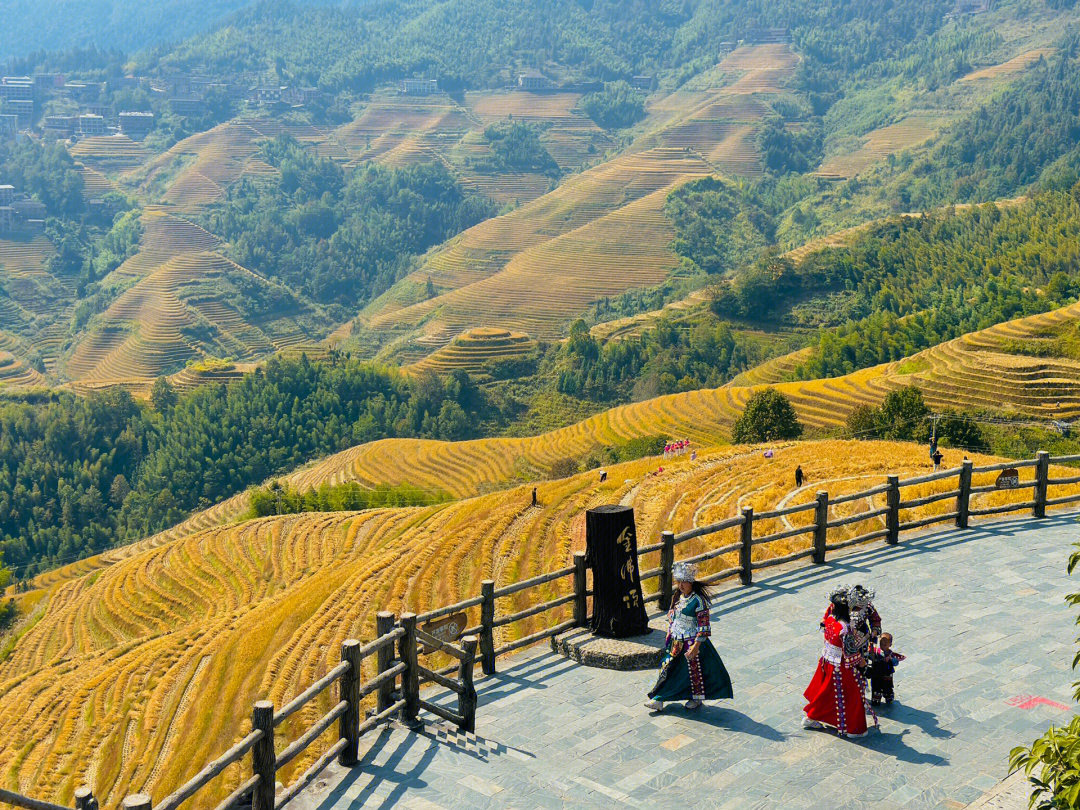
x,y
400,643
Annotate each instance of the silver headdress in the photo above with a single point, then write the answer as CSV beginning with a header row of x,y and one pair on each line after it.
x,y
859,597
839,594
684,572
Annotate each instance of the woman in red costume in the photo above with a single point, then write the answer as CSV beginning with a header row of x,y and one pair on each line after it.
x,y
833,697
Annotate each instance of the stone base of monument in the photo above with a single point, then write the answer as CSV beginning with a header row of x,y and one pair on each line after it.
x,y
637,652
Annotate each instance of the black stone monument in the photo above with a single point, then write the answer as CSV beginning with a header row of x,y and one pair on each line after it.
x,y
611,552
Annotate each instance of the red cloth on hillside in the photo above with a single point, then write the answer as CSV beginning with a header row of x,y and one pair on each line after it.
x,y
833,696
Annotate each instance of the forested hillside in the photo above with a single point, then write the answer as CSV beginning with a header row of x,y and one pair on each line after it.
x,y
341,236
35,25
471,42
80,474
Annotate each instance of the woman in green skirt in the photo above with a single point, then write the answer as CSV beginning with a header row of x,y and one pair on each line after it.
x,y
690,669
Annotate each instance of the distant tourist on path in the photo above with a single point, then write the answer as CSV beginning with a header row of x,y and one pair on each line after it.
x,y
690,669
534,496
883,661
798,476
834,698
937,460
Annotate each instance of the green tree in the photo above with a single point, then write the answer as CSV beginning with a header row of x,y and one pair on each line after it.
x,y
955,430
862,422
8,612
902,415
163,396
769,416
617,106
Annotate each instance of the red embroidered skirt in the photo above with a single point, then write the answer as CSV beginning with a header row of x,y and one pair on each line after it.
x,y
835,699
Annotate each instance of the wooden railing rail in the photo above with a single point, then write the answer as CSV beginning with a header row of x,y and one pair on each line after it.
x,y
855,496
17,799
259,742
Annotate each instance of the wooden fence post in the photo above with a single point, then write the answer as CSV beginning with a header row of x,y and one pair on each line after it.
x,y
1042,473
84,799
467,698
667,563
137,801
384,623
263,758
410,678
963,500
581,605
349,691
746,575
487,630
892,519
821,526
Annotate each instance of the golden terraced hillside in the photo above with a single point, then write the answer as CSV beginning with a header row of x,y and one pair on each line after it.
x,y
974,372
475,350
599,233
132,677
198,170
172,309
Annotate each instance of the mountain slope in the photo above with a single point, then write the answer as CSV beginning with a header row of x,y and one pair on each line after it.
x,y
36,25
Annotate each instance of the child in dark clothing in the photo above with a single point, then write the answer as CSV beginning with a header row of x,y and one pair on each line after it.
x,y
883,661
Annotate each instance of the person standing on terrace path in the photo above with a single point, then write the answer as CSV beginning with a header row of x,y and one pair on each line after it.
x,y
690,669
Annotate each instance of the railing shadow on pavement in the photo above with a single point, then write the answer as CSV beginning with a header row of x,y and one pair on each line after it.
x,y
737,597
475,746
390,771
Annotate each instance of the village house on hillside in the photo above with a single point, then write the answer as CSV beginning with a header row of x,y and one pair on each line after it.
x,y
19,211
136,125
533,80
419,87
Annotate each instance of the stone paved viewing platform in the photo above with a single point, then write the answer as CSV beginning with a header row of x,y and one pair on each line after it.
x,y
979,613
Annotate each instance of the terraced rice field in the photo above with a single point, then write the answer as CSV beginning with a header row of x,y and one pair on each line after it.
x,y
476,349
720,123
37,302
14,373
568,134
19,257
95,184
635,324
136,675
773,371
599,234
914,130
207,372
109,153
1018,64
404,129
198,170
169,312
